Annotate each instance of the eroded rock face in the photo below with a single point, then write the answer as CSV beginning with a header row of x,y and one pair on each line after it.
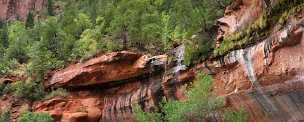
x,y
105,88
103,103
238,15
267,77
19,9
110,67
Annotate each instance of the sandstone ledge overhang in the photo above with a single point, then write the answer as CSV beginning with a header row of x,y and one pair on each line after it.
x,y
110,67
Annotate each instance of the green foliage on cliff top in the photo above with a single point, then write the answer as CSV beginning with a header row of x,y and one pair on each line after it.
x,y
276,15
78,29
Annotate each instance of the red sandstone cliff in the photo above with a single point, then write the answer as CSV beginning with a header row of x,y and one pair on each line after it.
x,y
19,9
265,77
105,88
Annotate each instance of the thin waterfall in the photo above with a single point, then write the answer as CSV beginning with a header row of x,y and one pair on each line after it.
x,y
179,55
260,95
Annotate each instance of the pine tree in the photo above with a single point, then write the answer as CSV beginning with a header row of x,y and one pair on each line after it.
x,y
50,8
29,20
3,35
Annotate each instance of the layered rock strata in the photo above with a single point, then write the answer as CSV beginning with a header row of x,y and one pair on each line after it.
x,y
106,88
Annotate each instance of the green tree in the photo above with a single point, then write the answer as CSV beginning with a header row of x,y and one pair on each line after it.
x,y
29,20
3,35
86,45
18,42
136,21
50,8
51,36
30,90
144,24
41,60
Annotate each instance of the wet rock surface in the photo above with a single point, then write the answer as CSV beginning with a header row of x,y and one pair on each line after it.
x,y
284,67
264,78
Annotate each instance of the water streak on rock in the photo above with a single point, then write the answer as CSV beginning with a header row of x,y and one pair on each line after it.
x,y
267,104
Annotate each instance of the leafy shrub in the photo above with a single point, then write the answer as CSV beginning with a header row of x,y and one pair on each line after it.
x,y
18,42
58,92
35,117
30,90
5,115
235,116
86,45
4,88
6,65
41,60
197,104
141,116
108,44
197,49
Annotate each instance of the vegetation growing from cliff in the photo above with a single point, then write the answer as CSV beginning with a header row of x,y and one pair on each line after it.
x,y
275,15
236,116
35,117
58,92
199,103
5,115
30,90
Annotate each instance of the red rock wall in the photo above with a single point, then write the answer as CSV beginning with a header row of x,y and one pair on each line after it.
x,y
279,78
106,87
265,78
19,9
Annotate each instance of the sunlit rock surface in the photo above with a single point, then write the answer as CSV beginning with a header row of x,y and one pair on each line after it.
x,y
109,67
106,87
